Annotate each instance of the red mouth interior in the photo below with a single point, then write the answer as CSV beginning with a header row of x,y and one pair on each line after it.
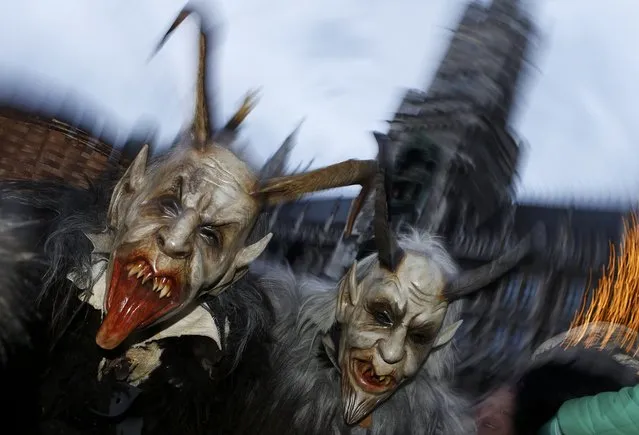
x,y
137,296
368,380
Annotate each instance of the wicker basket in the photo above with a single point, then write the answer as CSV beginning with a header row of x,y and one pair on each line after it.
x,y
38,147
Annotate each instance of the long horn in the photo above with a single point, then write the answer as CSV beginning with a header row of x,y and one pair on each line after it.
x,y
347,173
227,135
473,280
201,128
389,253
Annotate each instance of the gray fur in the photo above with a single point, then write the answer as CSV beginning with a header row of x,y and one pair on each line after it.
x,y
307,385
14,313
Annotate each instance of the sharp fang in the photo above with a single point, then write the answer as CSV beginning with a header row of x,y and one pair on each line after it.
x,y
156,284
136,269
165,291
146,277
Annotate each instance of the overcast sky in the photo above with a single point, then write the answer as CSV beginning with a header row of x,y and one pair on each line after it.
x,y
342,64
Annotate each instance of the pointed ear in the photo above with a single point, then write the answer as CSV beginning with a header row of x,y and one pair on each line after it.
x,y
102,242
348,294
242,260
248,254
130,183
447,334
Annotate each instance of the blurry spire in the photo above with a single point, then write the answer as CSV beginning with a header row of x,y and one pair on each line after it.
x,y
276,165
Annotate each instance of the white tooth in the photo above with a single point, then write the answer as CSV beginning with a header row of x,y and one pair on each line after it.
x,y
135,269
165,290
146,278
141,274
156,284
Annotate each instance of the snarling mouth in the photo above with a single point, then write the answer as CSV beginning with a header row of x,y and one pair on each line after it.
x,y
366,377
137,296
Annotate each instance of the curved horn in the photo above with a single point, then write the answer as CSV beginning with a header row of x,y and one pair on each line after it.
x,y
472,280
201,127
348,173
389,253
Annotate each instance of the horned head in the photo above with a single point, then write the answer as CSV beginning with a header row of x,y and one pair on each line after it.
x,y
393,307
178,228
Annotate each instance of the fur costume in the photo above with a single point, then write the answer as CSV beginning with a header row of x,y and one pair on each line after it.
x,y
342,354
301,395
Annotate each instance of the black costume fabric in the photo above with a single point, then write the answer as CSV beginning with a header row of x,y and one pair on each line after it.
x,y
60,384
562,373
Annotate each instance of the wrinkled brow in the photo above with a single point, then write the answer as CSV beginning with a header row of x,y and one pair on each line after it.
x,y
437,300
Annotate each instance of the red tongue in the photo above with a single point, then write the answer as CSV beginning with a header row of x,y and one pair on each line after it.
x,y
124,316
129,305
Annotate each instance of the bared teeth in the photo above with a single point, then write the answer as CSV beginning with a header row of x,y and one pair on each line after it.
x,y
147,277
162,286
156,284
135,269
166,291
142,271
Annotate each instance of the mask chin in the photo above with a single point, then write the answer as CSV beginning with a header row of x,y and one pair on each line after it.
x,y
362,390
358,404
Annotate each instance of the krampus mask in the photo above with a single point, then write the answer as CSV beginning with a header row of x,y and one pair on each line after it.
x,y
177,230
392,319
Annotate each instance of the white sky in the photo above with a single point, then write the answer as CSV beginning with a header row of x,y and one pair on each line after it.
x,y
342,64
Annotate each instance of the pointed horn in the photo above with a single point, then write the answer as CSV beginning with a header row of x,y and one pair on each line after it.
x,y
201,127
227,135
389,253
347,173
276,165
473,280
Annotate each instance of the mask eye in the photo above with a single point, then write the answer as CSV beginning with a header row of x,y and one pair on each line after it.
x,y
383,318
169,206
420,338
211,235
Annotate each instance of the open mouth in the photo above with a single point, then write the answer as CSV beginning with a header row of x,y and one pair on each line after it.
x,y
368,380
137,297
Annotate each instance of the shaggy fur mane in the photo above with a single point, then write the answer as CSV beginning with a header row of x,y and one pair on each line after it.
x,y
20,328
17,274
64,214
303,392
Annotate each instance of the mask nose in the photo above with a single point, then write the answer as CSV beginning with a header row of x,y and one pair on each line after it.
x,y
174,246
177,240
392,349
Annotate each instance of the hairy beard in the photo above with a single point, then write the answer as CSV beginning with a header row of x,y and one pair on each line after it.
x,y
356,404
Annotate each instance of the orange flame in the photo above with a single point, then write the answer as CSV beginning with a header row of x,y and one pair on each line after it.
x,y
615,300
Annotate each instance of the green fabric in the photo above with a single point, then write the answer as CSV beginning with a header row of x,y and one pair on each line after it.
x,y
551,428
611,413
